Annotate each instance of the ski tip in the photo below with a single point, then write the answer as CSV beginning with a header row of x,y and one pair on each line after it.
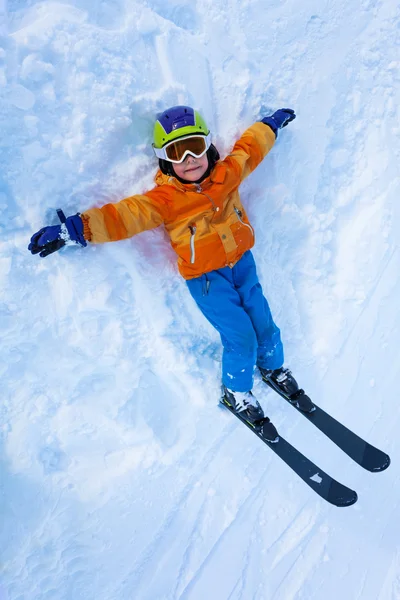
x,y
353,500
341,496
375,460
346,501
382,467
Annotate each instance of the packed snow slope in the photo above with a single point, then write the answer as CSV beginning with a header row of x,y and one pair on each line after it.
x,y
121,479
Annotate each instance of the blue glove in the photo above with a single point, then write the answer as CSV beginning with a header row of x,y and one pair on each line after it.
x,y
279,119
52,238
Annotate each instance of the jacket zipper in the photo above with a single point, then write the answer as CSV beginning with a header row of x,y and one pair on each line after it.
x,y
199,190
193,229
239,215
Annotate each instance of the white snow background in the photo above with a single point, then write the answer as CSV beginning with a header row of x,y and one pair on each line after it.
x,y
121,478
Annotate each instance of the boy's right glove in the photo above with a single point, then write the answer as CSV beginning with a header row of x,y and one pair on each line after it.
x,y
52,238
279,119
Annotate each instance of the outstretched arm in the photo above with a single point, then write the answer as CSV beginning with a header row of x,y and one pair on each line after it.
x,y
110,223
255,143
126,218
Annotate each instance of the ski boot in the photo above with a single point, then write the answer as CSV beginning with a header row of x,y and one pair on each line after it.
x,y
246,404
285,384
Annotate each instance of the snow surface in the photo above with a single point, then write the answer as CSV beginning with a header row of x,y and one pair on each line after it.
x,y
121,479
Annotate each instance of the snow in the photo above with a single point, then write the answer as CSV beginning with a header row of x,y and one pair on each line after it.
x,y
120,476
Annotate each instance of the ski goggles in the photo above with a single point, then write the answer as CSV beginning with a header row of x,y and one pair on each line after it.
x,y
177,150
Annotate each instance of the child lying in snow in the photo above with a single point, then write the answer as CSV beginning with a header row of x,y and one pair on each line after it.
x,y
196,198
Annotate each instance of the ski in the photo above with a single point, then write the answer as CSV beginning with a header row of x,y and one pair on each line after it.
x,y
320,482
363,453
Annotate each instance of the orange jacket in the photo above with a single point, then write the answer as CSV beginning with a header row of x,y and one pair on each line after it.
x,y
206,222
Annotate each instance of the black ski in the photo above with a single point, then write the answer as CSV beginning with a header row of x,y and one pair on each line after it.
x,y
323,484
359,450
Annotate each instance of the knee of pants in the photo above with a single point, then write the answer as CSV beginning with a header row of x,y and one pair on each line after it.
x,y
244,343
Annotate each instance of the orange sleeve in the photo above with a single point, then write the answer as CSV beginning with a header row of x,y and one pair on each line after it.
x,y
250,149
126,218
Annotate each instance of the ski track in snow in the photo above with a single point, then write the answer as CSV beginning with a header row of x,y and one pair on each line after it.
x,y
119,477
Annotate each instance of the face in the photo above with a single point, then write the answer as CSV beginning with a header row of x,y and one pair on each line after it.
x,y
192,168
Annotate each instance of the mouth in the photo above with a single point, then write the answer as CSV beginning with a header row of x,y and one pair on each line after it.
x,y
191,169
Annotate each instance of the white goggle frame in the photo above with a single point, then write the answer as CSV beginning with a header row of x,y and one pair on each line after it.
x,y
162,152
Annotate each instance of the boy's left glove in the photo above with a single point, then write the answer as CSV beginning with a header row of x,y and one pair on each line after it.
x,y
53,237
279,119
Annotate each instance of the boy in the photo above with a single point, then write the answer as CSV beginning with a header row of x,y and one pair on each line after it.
x,y
196,199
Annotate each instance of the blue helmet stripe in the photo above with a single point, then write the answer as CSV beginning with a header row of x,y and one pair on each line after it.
x,y
176,117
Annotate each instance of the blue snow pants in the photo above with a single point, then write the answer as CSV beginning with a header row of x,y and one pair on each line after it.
x,y
233,302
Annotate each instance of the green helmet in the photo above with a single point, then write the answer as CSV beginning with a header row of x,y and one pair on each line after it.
x,y
176,122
